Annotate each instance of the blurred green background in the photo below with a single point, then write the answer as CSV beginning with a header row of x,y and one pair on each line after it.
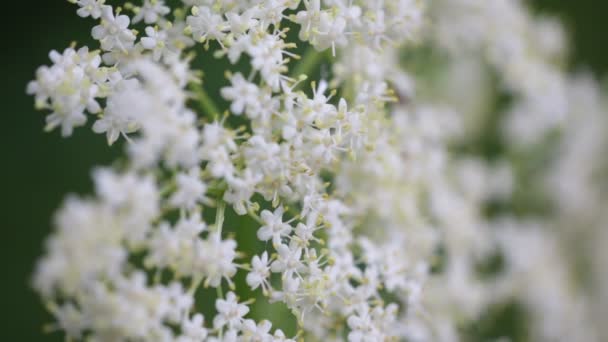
x,y
39,169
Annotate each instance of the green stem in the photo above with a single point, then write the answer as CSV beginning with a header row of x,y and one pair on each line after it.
x,y
219,218
256,217
220,291
196,282
206,103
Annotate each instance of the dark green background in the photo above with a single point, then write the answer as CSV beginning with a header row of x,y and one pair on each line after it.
x,y
39,169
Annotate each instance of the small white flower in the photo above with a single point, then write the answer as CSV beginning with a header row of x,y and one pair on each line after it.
x,y
288,259
193,328
230,312
308,18
70,319
155,41
215,257
241,93
256,332
240,23
121,115
263,155
290,294
217,147
279,336
267,57
113,32
331,33
190,227
67,121
372,175
240,190
69,87
190,189
362,327
151,11
260,271
91,8
206,25
305,233
274,228
165,246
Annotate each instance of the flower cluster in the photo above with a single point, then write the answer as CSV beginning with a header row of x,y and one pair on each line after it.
x,y
371,226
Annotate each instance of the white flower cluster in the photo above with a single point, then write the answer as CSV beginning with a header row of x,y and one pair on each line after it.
x,y
371,226
525,51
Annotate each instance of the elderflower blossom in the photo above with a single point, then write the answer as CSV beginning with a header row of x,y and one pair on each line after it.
x,y
344,198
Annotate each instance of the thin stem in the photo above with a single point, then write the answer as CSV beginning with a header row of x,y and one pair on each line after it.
x,y
220,291
206,103
219,218
168,188
256,217
196,282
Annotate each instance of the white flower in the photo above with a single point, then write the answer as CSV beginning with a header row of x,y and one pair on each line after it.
x,y
193,329
240,23
274,228
151,11
113,32
206,25
218,144
91,8
67,121
179,301
362,328
308,17
290,292
288,259
237,47
230,312
262,155
378,190
124,190
271,12
267,57
122,114
165,246
305,233
215,257
175,248
68,88
190,227
134,196
242,94
256,332
260,271
240,190
70,319
190,189
279,336
155,41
